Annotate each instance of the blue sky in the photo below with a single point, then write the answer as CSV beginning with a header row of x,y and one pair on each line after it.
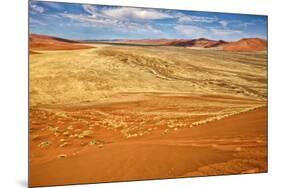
x,y
84,21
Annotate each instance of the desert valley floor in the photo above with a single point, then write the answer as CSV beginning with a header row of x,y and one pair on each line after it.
x,y
129,112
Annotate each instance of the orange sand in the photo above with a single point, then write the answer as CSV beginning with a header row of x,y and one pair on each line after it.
x,y
237,144
44,42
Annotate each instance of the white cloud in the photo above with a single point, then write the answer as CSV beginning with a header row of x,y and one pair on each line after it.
x,y
135,13
225,31
90,9
223,23
125,13
121,19
190,30
36,8
185,19
246,24
33,21
84,19
53,5
203,19
109,23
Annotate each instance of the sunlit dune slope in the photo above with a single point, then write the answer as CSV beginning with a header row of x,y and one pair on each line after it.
x,y
201,43
246,45
44,42
243,45
236,144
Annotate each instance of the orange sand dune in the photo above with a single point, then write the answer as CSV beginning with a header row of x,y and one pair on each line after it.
x,y
44,42
201,43
33,52
237,144
243,45
246,45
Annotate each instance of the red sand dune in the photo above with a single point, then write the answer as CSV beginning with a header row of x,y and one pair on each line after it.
x,y
45,42
229,146
246,45
243,45
33,52
201,42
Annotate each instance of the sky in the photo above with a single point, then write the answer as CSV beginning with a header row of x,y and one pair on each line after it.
x,y
97,22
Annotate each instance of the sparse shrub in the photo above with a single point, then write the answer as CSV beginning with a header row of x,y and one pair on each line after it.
x,y
44,144
66,133
86,133
61,156
64,144
70,127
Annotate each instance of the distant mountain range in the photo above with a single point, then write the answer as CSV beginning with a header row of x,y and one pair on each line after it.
x,y
45,42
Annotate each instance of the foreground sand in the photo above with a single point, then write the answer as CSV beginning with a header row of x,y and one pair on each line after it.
x,y
237,144
90,144
115,113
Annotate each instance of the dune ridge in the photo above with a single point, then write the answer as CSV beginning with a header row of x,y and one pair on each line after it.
x,y
246,45
231,147
45,42
242,45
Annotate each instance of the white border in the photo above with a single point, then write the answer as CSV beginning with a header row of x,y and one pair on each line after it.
x,y
14,92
